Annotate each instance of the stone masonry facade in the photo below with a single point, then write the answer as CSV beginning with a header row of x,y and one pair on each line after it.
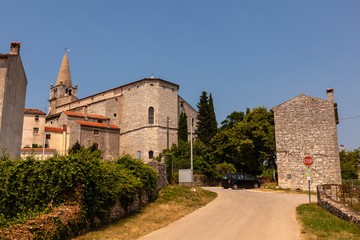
x,y
306,126
128,108
13,84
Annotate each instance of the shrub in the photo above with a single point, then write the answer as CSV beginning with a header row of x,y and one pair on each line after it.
x,y
27,187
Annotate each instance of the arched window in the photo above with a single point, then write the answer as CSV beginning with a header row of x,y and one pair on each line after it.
x,y
151,154
151,115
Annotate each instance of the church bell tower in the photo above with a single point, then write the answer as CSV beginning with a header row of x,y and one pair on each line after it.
x,y
63,92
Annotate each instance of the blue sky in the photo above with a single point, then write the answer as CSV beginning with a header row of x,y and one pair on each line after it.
x,y
246,53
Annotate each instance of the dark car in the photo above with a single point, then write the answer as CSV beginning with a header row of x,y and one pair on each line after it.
x,y
239,180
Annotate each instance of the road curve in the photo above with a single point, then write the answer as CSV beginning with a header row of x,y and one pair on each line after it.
x,y
240,214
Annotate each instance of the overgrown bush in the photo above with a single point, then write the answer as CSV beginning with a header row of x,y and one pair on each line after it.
x,y
28,187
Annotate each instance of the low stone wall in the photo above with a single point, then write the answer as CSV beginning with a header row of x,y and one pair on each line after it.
x,y
338,209
160,167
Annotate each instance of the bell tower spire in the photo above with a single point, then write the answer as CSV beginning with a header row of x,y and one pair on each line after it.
x,y
64,76
63,92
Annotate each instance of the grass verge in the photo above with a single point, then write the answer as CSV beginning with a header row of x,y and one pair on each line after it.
x,y
173,203
317,223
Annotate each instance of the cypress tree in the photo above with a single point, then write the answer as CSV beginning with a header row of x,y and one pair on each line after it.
x,y
212,119
183,128
207,125
202,124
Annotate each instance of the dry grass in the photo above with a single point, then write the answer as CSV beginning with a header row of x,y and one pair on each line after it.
x,y
173,203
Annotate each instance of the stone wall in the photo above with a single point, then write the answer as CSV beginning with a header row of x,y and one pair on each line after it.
x,y
306,126
107,140
340,210
162,178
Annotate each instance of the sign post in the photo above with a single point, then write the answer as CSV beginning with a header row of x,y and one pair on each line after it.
x,y
308,161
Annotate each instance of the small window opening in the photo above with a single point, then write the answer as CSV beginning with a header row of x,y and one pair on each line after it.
x,y
48,136
37,118
115,114
151,154
138,154
99,121
36,130
151,115
96,132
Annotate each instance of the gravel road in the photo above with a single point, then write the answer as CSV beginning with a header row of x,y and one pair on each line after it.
x,y
240,214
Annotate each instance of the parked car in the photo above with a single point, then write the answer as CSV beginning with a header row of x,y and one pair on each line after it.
x,y
239,180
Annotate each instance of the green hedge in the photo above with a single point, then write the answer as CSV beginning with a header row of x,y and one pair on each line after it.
x,y
27,187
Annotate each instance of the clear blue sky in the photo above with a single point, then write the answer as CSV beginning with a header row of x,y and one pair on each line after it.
x,y
246,53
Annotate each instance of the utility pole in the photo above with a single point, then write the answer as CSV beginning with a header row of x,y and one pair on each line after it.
x,y
191,149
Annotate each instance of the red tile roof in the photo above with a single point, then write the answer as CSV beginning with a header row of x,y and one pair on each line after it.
x,y
34,111
53,129
76,114
95,124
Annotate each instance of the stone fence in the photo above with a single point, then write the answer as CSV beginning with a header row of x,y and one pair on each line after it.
x,y
341,201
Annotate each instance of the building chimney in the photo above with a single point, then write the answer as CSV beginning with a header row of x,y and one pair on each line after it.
x,y
330,94
15,48
85,112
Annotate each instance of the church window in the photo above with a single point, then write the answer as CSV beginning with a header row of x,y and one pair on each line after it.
x,y
36,130
70,92
151,115
96,132
151,154
36,118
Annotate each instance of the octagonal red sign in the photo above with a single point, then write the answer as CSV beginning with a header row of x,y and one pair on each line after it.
x,y
308,161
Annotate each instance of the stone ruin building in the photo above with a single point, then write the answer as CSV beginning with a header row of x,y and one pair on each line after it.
x,y
306,126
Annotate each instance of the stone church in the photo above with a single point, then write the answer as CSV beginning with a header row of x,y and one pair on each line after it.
x,y
306,126
139,118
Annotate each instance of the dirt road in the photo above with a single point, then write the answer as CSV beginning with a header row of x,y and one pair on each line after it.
x,y
241,214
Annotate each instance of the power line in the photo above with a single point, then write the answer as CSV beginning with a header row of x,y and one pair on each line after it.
x,y
350,118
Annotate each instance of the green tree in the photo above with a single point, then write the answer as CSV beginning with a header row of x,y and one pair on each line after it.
x,y
178,157
349,162
249,143
207,125
183,128
212,119
223,168
231,119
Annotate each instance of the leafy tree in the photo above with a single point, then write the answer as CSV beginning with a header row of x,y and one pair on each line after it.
x,y
249,143
349,162
178,157
223,168
183,128
231,119
207,125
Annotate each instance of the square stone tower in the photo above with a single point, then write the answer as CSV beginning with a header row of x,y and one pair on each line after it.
x,y
306,126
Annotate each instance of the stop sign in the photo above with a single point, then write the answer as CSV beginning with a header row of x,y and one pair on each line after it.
x,y
308,161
